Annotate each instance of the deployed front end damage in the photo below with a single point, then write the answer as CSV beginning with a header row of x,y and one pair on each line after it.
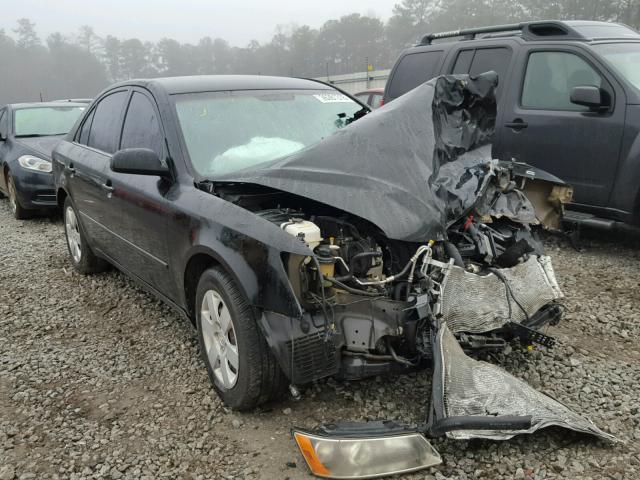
x,y
415,240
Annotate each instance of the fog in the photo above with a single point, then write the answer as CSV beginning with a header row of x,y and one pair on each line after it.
x,y
71,49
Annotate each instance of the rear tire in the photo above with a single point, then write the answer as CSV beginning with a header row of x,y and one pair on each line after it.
x,y
240,364
17,210
82,258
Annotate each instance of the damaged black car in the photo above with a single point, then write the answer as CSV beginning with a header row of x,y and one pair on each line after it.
x,y
307,237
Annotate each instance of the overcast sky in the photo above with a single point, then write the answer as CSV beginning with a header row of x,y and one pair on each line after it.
x,y
237,21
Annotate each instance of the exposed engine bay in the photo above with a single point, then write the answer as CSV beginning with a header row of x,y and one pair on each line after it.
x,y
372,297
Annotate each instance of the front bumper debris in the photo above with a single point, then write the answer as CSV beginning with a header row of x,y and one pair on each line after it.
x,y
467,392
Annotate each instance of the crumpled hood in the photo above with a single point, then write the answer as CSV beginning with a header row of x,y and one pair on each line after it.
x,y
43,146
386,167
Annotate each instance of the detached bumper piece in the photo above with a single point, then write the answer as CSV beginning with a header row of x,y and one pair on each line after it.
x,y
365,450
476,304
475,399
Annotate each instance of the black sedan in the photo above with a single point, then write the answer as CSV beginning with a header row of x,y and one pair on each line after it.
x,y
28,134
304,235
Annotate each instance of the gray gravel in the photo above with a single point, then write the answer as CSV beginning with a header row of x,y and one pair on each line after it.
x,y
100,380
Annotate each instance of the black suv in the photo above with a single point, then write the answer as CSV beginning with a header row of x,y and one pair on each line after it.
x,y
568,102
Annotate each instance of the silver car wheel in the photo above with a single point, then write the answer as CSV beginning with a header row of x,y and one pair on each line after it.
x,y
220,339
73,234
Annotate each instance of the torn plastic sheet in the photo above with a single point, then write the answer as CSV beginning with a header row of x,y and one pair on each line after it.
x,y
475,304
390,166
467,390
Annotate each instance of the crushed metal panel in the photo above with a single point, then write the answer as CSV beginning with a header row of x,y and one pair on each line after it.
x,y
476,304
464,387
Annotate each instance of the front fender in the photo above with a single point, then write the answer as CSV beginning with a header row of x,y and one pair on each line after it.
x,y
247,246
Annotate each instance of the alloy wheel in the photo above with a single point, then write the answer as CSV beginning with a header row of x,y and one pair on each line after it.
x,y
219,335
73,234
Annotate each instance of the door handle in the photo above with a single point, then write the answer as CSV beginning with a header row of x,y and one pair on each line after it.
x,y
69,168
517,124
107,187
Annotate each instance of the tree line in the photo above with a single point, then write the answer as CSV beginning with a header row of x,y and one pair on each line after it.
x,y
80,65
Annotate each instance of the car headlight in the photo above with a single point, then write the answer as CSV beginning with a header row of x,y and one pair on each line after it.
x,y
34,163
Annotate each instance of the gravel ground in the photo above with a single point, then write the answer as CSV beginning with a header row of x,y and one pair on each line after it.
x,y
100,380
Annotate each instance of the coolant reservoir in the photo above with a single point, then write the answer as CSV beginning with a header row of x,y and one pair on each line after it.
x,y
304,229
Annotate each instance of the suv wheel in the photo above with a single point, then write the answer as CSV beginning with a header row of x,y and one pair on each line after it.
x,y
239,362
17,210
82,258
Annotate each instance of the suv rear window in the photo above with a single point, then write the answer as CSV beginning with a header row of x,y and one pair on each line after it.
x,y
413,70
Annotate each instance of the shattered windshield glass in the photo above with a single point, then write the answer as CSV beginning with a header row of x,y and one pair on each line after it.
x,y
229,131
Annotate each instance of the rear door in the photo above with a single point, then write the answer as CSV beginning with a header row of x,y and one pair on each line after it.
x,y
86,167
137,208
540,125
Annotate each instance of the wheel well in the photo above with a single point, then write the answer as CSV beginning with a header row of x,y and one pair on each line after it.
x,y
195,267
61,195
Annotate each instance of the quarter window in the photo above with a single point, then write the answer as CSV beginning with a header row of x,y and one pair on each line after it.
x,y
413,70
551,76
141,126
105,127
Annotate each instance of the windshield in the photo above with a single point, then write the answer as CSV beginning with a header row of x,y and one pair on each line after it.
x,y
44,121
625,58
229,131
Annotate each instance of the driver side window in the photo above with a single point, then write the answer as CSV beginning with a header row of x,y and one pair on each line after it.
x,y
551,76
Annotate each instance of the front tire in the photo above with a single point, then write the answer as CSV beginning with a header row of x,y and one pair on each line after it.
x,y
82,258
240,364
17,210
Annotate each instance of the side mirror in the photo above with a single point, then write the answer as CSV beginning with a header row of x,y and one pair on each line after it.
x,y
588,96
138,161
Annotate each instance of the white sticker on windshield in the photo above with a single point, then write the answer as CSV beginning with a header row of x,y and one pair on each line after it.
x,y
333,98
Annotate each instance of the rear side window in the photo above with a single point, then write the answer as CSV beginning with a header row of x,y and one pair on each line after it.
x,y
413,70
3,124
475,62
83,136
141,126
551,76
105,127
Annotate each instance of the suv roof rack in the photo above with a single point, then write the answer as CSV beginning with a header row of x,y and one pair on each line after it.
x,y
550,29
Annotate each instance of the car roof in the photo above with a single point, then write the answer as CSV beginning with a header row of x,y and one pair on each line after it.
x,y
18,106
212,83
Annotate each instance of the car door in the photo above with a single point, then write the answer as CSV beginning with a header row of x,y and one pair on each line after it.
x,y
136,206
540,126
86,166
